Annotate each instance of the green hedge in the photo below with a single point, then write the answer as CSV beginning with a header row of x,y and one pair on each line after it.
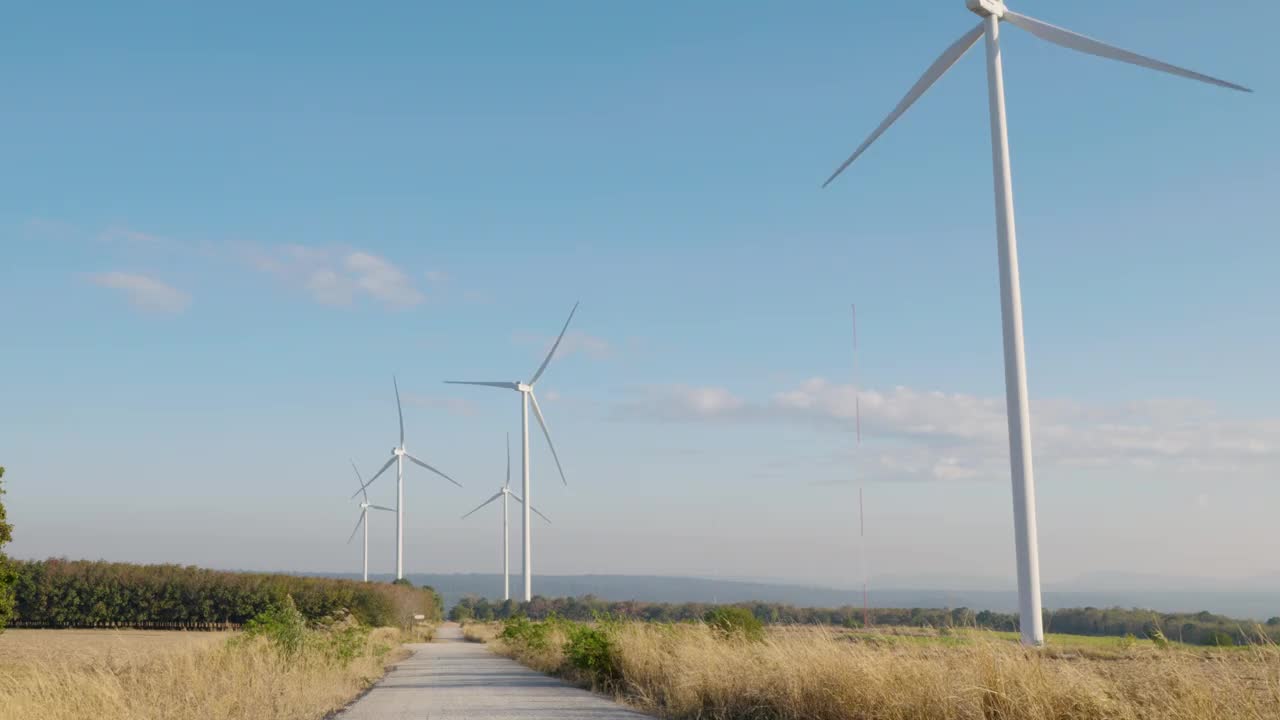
x,y
80,593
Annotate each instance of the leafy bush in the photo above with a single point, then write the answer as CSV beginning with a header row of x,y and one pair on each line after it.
x,y
1221,639
7,575
520,630
62,593
283,626
592,651
731,621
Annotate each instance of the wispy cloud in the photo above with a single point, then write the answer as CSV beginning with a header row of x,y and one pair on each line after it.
x,y
576,342
144,293
338,276
914,434
451,405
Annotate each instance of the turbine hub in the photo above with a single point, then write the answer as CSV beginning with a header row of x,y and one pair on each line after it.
x,y
397,451
986,7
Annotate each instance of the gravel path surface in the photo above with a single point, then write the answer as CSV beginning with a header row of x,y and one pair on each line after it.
x,y
452,678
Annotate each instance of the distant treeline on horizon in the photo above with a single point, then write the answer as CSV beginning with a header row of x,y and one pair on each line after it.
x,y
1202,628
59,593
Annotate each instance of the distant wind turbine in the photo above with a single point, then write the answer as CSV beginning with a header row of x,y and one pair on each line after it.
x,y
398,456
365,505
1015,369
526,397
504,493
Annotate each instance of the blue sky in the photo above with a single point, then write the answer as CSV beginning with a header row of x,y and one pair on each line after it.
x,y
226,228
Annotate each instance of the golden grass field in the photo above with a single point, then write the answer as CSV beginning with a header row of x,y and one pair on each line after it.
x,y
159,675
688,671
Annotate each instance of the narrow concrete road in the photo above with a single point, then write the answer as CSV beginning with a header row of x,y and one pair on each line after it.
x,y
451,678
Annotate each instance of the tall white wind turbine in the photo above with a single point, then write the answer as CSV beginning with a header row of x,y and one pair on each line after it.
x,y
504,493
527,397
398,456
1015,371
365,506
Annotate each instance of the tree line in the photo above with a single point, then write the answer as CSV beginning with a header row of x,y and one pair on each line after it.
x,y
1201,628
59,593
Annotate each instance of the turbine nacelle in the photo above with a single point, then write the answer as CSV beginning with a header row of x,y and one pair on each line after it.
x,y
523,387
397,451
986,7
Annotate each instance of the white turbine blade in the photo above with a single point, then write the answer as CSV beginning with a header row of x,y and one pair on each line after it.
x,y
398,410
382,507
1075,41
935,71
486,502
357,528
552,351
498,384
446,477
508,461
544,517
353,467
375,476
537,412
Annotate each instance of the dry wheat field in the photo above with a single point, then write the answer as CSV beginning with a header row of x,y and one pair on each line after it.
x,y
689,671
173,675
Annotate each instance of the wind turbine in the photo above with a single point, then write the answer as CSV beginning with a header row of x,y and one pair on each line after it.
x,y
398,456
1015,370
504,493
526,397
364,519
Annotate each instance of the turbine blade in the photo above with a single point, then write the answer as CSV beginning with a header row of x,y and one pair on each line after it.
x,y
534,509
1075,41
446,477
486,502
357,528
382,507
935,71
398,410
499,384
508,461
552,351
353,467
375,476
537,412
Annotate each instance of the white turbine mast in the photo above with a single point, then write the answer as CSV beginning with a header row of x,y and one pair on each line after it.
x,y
505,493
992,13
365,506
527,397
398,456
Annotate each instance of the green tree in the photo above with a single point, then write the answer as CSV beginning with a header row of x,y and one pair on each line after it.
x,y
8,576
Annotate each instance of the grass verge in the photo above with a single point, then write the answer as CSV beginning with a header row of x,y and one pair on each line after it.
x,y
697,671
109,675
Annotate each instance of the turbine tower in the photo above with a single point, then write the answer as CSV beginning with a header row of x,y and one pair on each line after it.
x,y
1015,368
398,456
365,505
504,493
527,397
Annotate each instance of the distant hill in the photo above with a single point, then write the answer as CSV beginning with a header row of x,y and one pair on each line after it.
x,y
1257,604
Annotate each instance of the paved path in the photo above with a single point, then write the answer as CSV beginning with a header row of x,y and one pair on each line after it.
x,y
452,678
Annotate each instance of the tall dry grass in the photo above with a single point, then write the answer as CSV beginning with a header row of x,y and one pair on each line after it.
x,y
208,678
690,671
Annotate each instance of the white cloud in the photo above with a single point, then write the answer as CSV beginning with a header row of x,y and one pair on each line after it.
x,y
914,434
338,276
575,342
144,293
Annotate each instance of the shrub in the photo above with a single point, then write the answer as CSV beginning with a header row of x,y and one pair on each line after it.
x,y
8,577
592,651
730,621
1221,639
519,630
283,626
